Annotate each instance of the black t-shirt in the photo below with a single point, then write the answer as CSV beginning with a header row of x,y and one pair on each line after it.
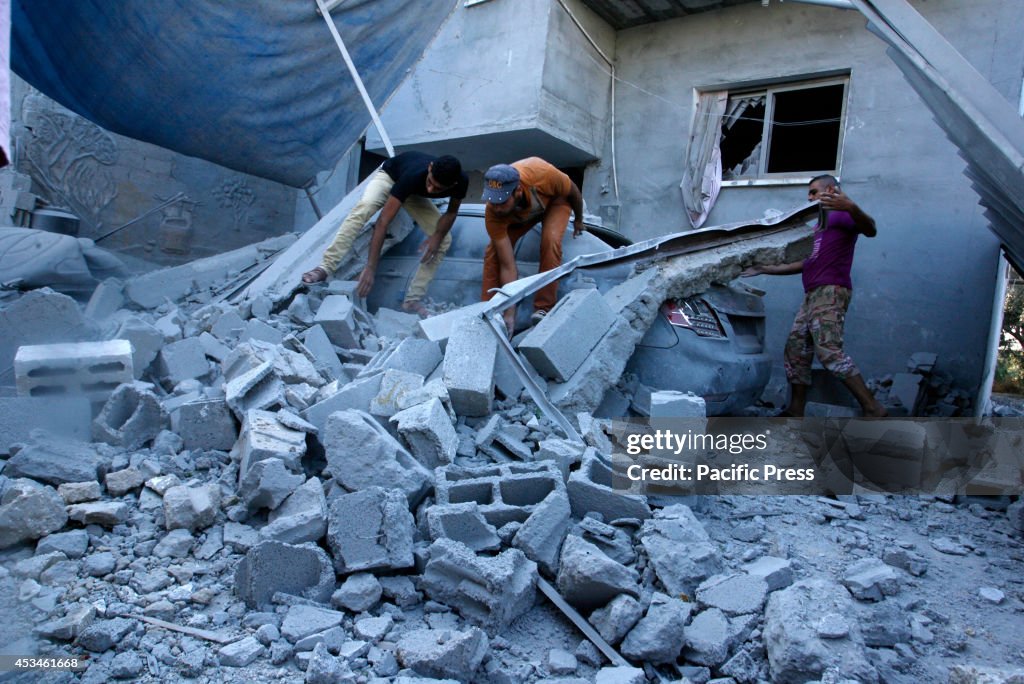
x,y
409,171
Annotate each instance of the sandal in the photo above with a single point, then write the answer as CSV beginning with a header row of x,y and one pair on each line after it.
x,y
317,275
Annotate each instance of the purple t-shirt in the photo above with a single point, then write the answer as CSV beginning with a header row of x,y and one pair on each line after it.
x,y
832,256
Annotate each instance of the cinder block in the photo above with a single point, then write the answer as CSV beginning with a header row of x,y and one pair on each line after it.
x,y
370,529
564,452
183,360
428,431
468,371
439,328
463,523
146,343
255,329
590,489
38,317
301,518
541,536
504,494
64,416
263,436
205,425
560,343
320,346
394,384
259,388
336,316
490,592
589,579
214,348
270,567
414,356
229,327
131,417
93,369
266,484
356,395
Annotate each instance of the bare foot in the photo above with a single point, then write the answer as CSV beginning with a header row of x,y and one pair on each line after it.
x,y
416,308
317,275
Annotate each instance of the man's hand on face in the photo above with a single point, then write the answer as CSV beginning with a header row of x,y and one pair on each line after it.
x,y
835,199
365,281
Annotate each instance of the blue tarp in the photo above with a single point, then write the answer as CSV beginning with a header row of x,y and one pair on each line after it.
x,y
254,85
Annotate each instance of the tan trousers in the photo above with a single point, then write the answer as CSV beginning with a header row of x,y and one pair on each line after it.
x,y
422,211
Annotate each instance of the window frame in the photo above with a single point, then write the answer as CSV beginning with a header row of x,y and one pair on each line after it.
x,y
770,90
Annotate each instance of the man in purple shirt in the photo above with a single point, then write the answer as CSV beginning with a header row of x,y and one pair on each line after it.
x,y
818,328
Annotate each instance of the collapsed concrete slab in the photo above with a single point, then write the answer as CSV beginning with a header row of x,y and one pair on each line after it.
x,y
489,592
361,453
370,529
270,567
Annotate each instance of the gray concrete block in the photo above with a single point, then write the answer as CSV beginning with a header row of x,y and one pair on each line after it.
x,y
427,429
92,369
131,417
336,316
355,395
614,620
146,343
120,482
240,653
672,404
708,639
590,489
777,572
205,425
29,510
394,384
270,567
908,389
733,593
266,484
104,514
468,371
258,388
370,529
439,328
658,637
228,328
317,342
504,494
57,461
393,324
301,518
263,436
414,355
558,345
66,417
463,523
192,508
358,593
361,453
870,579
589,579
107,298
679,549
255,329
443,654
72,544
620,675
183,360
565,453
489,592
80,492
214,348
542,534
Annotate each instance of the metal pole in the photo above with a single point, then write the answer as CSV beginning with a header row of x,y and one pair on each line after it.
x,y
326,14
312,203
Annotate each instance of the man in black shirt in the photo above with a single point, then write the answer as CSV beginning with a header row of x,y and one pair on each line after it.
x,y
406,180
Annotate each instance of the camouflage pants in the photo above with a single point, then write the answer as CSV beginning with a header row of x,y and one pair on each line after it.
x,y
818,329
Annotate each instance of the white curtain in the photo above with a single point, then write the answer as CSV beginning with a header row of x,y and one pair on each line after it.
x,y
702,174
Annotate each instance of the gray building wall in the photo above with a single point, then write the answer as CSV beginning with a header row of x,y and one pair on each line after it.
x,y
108,180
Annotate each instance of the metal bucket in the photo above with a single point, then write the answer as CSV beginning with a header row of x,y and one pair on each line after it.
x,y
55,221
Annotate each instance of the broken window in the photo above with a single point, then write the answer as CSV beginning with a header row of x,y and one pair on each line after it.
x,y
785,129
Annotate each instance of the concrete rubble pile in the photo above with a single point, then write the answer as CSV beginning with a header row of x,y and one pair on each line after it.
x,y
303,490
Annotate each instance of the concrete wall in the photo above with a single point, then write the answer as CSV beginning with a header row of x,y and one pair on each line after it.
x,y
108,180
926,282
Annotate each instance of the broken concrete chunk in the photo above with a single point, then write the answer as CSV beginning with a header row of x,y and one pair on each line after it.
x,y
672,404
355,395
620,675
462,522
370,529
541,535
658,637
734,593
29,510
870,579
105,514
679,549
80,492
131,417
263,437
175,544
270,567
588,579
427,429
414,355
468,371
358,593
490,592
56,461
258,388
72,544
146,342
443,654
240,653
183,360
191,508
205,425
796,652
103,635
325,357
267,484
614,621
394,384
336,317
121,482
708,638
558,345
590,489
361,453
301,518
302,621
777,572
